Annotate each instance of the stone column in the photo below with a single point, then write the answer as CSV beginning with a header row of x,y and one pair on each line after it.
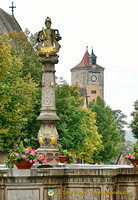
x,y
48,136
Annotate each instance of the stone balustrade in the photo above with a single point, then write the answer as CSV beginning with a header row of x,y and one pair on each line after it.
x,y
70,182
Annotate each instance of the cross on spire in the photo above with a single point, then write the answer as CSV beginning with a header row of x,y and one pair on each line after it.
x,y
86,47
12,7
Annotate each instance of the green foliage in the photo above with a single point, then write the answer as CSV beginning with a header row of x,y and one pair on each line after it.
x,y
126,146
134,123
76,128
107,128
24,46
120,120
92,145
17,96
136,146
71,116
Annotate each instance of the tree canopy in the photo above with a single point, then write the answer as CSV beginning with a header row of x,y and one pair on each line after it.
x,y
120,120
134,122
17,95
23,45
107,128
92,145
76,128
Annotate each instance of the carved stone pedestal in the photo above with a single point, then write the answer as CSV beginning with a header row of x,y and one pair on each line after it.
x,y
48,136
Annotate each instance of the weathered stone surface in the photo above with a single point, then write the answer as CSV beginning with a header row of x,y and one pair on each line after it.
x,y
48,109
70,182
50,59
48,135
3,157
23,193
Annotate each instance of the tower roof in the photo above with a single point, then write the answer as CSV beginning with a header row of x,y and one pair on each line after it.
x,y
8,23
84,62
92,55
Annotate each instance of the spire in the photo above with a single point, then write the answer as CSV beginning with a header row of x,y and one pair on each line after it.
x,y
84,61
92,54
92,58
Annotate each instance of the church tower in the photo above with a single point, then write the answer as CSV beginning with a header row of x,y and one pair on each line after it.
x,y
89,76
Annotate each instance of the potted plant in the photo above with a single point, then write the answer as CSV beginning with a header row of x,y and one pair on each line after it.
x,y
25,157
65,156
133,157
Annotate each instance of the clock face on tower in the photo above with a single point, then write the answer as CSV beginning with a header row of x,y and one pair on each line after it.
x,y
93,78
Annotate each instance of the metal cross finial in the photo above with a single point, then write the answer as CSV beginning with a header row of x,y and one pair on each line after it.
x,y
12,7
86,47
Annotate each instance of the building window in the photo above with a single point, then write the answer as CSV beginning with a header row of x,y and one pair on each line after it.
x,y
93,100
93,61
93,91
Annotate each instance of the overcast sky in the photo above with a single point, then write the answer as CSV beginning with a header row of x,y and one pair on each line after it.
x,y
109,26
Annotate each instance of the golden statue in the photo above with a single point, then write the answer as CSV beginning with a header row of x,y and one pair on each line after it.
x,y
40,139
52,142
48,40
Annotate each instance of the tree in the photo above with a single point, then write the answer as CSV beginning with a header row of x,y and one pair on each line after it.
x,y
120,120
92,145
71,116
134,123
107,128
76,128
17,96
24,46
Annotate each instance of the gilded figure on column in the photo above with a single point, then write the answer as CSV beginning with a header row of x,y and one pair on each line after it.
x,y
48,40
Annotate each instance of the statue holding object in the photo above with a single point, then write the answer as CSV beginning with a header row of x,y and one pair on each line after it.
x,y
48,136
48,40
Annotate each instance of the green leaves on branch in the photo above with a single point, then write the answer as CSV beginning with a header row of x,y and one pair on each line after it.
x,y
76,128
120,120
107,128
134,122
17,95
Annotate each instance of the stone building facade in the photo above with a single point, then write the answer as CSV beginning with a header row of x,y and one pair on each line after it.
x,y
89,76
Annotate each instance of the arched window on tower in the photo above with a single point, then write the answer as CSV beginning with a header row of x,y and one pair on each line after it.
x,y
93,61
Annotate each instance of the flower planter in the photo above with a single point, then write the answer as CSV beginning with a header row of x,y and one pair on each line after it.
x,y
22,164
62,159
134,162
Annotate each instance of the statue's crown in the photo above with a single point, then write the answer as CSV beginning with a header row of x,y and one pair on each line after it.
x,y
47,19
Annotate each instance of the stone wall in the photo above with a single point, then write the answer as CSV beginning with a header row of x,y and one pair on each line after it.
x,y
3,157
70,182
80,76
